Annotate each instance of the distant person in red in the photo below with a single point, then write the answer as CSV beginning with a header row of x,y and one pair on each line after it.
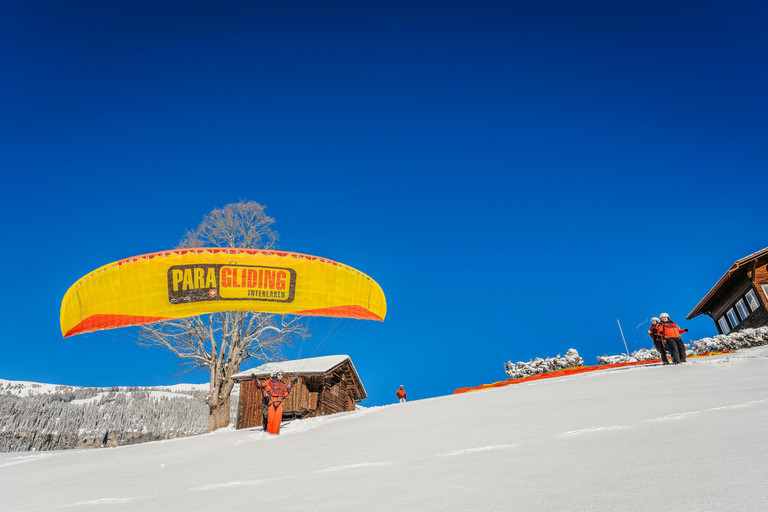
x,y
275,391
401,394
670,333
658,341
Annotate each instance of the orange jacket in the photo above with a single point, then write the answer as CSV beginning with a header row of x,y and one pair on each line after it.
x,y
670,329
275,389
655,333
400,393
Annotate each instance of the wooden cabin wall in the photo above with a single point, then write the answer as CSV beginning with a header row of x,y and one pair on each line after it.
x,y
729,299
351,385
331,397
249,408
249,405
303,401
760,277
739,288
334,397
313,395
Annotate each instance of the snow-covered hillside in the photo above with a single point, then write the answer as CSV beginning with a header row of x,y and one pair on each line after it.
x,y
36,416
680,438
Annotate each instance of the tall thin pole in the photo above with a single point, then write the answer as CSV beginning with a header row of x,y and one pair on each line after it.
x,y
622,337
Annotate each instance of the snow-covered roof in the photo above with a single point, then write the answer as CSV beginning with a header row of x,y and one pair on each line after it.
x,y
302,366
753,256
308,365
700,308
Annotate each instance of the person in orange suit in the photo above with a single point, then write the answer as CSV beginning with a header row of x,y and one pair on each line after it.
x,y
401,394
658,341
276,391
670,333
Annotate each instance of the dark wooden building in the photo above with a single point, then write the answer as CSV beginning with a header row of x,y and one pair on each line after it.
x,y
326,385
739,300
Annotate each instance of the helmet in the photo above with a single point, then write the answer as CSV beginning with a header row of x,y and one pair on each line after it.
x,y
277,372
664,315
401,386
655,320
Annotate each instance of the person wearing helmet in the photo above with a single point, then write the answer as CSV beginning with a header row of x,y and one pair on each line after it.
x,y
658,341
670,333
401,394
275,392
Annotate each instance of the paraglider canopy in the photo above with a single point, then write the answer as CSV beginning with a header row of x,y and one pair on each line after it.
x,y
188,282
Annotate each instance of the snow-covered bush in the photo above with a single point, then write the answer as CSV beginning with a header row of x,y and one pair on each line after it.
x,y
644,354
539,365
733,341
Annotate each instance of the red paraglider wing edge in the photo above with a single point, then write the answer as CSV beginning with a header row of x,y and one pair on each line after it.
x,y
100,322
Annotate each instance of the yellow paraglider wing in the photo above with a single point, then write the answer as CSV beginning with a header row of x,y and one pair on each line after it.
x,y
189,282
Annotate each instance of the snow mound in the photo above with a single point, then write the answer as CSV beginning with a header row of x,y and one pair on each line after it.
x,y
733,341
522,369
644,354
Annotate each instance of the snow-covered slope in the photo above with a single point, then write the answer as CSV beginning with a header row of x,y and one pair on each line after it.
x,y
36,416
26,388
681,438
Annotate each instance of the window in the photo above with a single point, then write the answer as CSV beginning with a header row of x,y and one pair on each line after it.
x,y
752,300
741,307
723,325
731,314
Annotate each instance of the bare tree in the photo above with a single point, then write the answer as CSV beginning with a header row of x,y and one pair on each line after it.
x,y
221,342
242,224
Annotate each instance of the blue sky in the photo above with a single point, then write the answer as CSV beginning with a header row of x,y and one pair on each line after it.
x,y
515,175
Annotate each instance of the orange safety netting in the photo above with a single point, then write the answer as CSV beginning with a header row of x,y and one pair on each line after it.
x,y
572,371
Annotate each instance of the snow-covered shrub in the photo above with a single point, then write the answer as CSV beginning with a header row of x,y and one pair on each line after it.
x,y
644,354
539,365
614,359
733,341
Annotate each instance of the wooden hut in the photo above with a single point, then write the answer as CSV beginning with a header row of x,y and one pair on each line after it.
x,y
739,300
326,385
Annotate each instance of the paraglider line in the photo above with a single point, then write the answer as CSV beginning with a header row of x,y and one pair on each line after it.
x,y
347,335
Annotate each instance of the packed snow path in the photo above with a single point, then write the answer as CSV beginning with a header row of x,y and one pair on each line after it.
x,y
685,438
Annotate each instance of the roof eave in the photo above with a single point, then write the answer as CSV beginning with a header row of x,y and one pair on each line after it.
x,y
269,374
363,393
699,309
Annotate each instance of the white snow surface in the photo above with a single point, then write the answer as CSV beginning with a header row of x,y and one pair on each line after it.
x,y
681,438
